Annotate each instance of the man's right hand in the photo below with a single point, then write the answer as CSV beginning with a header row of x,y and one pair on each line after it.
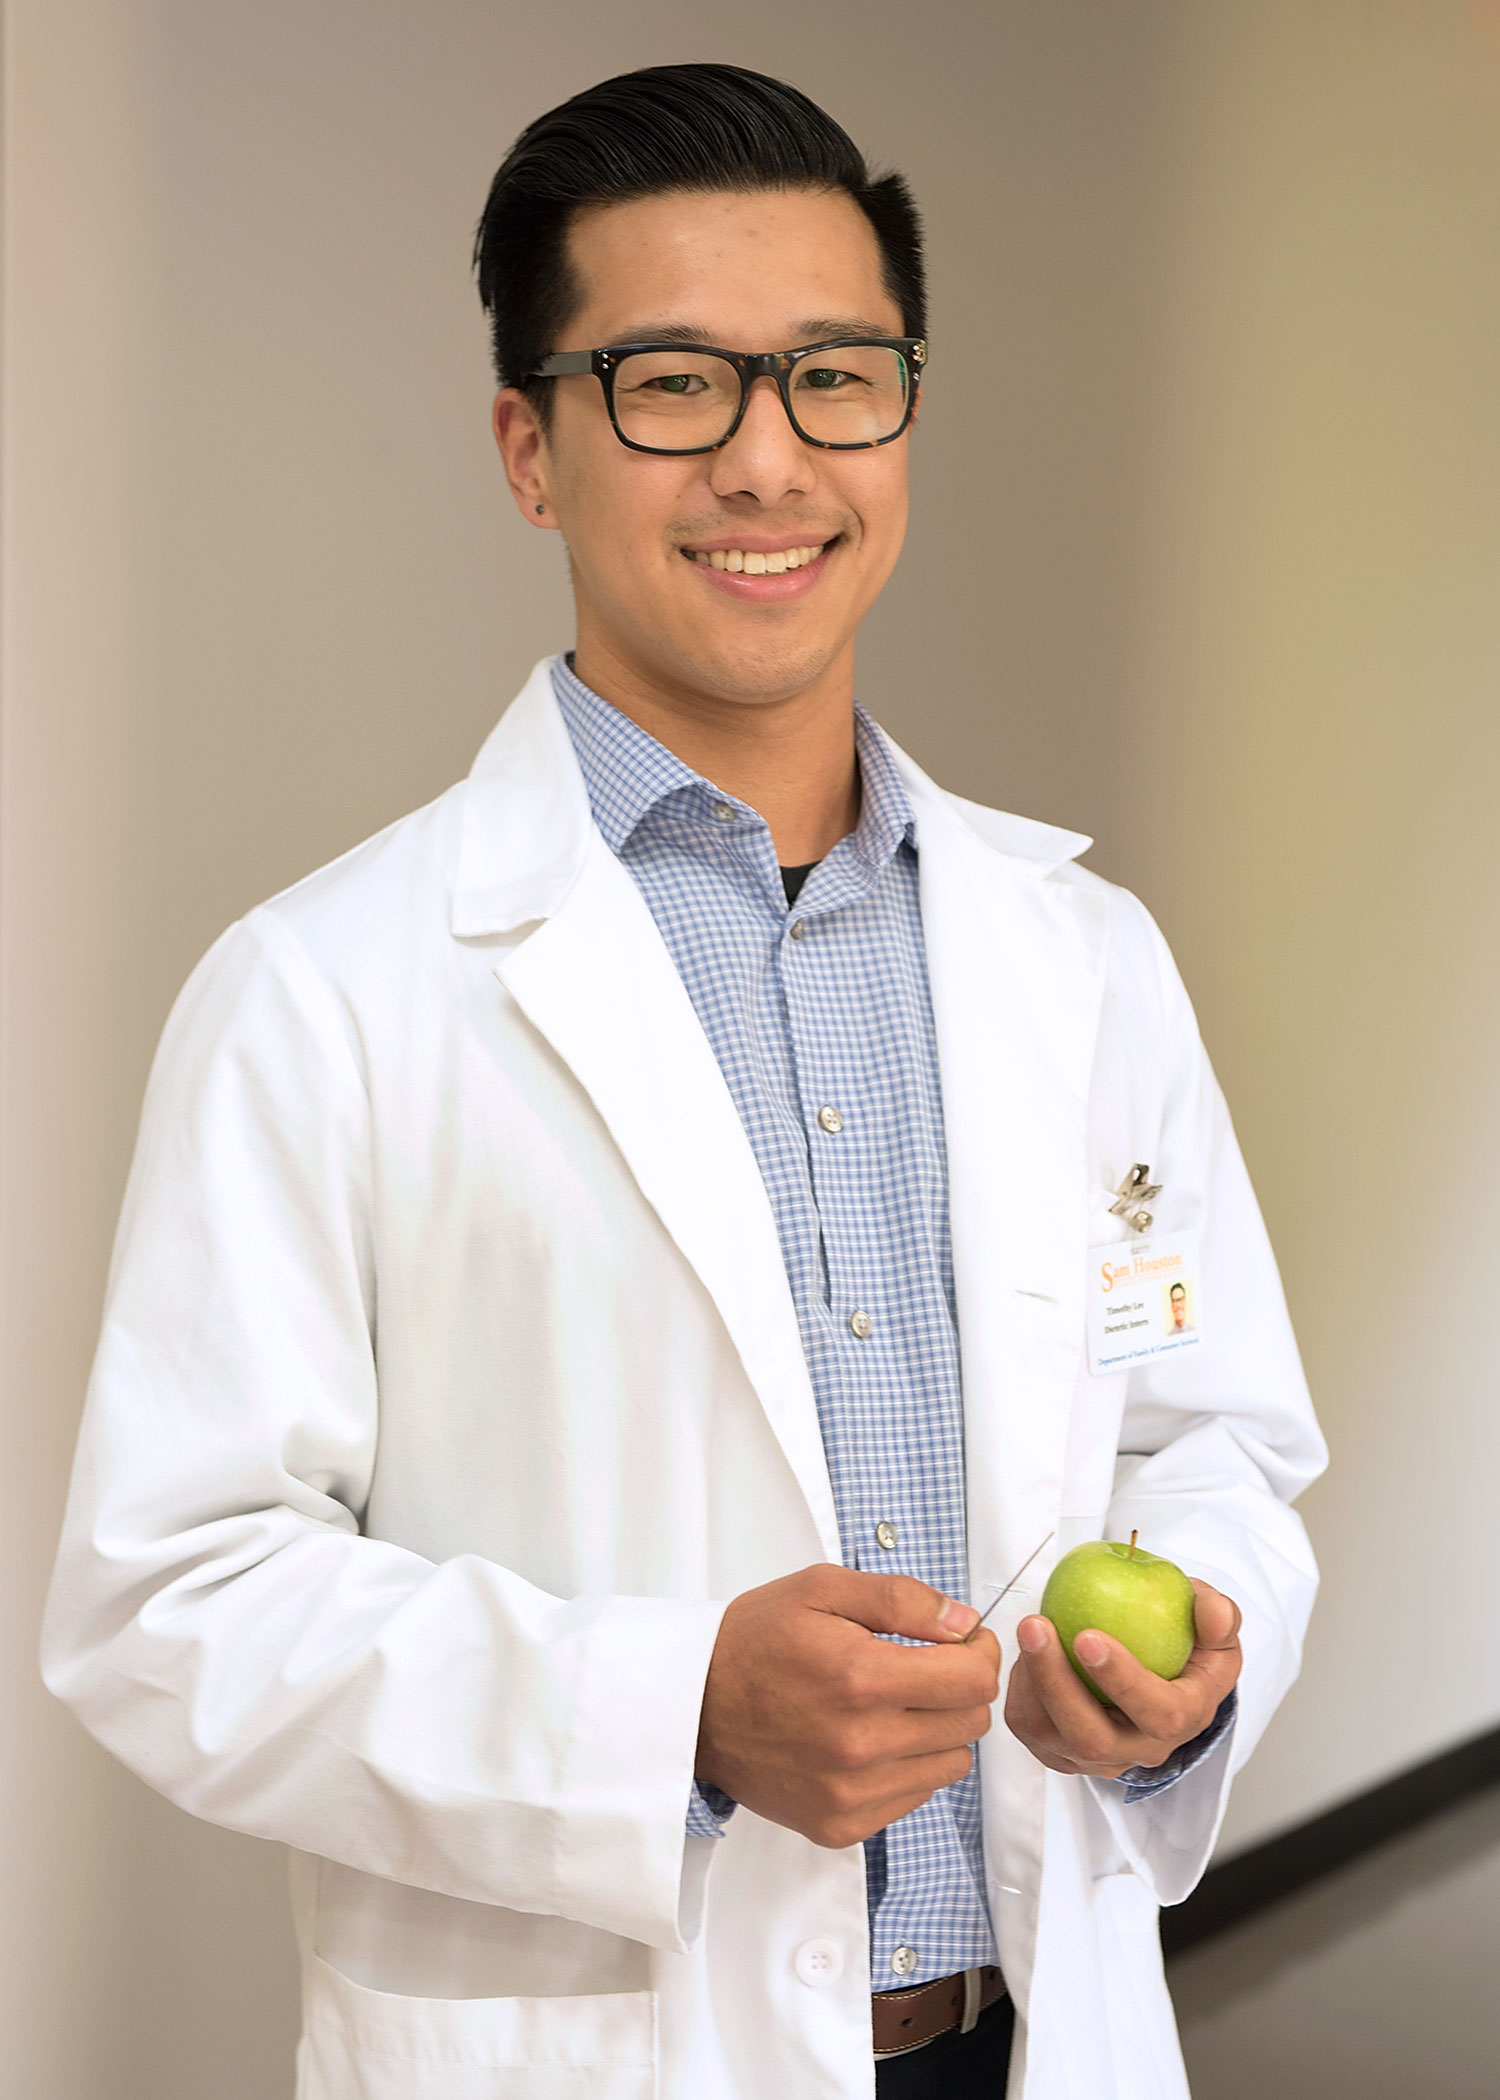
x,y
814,1723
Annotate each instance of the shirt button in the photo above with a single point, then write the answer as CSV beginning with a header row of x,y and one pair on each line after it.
x,y
819,1963
885,1535
831,1120
860,1324
904,1960
799,928
724,813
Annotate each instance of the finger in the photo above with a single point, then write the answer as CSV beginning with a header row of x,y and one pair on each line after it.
x,y
879,1796
914,1733
894,1604
1163,1710
962,1675
839,1832
1175,1709
1150,1718
1216,1618
1086,1730
1029,1721
1025,1715
930,1773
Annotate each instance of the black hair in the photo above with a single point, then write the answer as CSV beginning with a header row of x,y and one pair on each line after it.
x,y
1176,1287
644,134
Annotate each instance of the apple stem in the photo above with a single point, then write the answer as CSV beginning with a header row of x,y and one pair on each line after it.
x,y
1133,1537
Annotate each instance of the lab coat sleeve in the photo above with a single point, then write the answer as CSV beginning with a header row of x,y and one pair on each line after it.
x,y
1215,1443
218,1620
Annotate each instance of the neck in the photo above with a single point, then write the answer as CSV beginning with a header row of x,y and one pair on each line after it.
x,y
790,757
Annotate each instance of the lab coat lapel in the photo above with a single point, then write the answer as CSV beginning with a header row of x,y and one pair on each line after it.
x,y
595,978
1016,964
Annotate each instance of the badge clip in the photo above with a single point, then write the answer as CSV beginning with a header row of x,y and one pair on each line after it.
x,y
1133,1195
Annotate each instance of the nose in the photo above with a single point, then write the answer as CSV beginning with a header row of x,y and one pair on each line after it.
x,y
765,458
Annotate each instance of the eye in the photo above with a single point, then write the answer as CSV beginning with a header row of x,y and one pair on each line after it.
x,y
676,384
824,379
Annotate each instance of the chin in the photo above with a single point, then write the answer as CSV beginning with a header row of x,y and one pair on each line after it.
x,y
766,673
742,685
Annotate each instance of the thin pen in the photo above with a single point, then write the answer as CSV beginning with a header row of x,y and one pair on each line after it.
x,y
1026,1563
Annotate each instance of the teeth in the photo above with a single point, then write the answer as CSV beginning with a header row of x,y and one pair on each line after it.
x,y
735,560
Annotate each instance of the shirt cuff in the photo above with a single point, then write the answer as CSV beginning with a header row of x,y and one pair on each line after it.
x,y
1145,1782
708,1811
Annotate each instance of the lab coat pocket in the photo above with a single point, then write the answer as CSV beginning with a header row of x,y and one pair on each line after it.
x,y
1148,2063
359,2044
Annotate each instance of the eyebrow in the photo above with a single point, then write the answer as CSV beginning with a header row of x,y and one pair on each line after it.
x,y
815,331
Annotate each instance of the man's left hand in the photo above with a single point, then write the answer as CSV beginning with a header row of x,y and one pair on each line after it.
x,y
1060,1721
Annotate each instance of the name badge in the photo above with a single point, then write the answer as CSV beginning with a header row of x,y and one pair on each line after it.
x,y
1144,1299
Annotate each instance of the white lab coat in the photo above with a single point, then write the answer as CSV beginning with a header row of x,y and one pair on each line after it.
x,y
450,1384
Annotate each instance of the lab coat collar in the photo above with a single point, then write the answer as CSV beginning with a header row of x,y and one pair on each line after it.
x,y
527,824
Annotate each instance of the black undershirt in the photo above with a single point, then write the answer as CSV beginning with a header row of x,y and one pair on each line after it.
x,y
792,880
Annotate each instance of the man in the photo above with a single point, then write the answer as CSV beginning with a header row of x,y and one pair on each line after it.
x,y
601,1296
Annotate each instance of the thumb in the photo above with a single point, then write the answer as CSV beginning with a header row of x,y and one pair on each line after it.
x,y
898,1604
1216,1618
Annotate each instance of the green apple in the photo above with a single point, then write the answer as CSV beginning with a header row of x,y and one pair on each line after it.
x,y
1144,1602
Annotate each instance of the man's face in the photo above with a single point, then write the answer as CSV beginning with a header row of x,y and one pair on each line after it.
x,y
746,271
1179,1306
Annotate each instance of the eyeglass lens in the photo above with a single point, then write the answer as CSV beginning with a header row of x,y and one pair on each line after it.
x,y
678,400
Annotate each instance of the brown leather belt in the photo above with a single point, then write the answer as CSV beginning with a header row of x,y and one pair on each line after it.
x,y
906,2019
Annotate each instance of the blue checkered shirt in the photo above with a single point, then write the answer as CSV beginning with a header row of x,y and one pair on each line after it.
x,y
820,1018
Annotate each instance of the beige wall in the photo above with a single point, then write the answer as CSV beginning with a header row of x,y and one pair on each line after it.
x,y
1204,560
1321,648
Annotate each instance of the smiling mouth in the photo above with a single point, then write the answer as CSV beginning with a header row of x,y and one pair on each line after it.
x,y
740,561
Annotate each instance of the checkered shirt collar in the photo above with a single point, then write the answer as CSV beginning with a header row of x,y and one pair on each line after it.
x,y
628,774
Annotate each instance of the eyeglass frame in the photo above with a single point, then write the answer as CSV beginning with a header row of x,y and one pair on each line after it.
x,y
750,366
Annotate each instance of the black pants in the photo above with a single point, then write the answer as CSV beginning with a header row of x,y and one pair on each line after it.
x,y
954,2067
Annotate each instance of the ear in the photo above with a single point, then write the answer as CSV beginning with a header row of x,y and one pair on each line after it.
x,y
522,444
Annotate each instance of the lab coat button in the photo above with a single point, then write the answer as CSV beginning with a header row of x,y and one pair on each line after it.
x,y
860,1324
819,1963
831,1120
885,1535
904,1960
